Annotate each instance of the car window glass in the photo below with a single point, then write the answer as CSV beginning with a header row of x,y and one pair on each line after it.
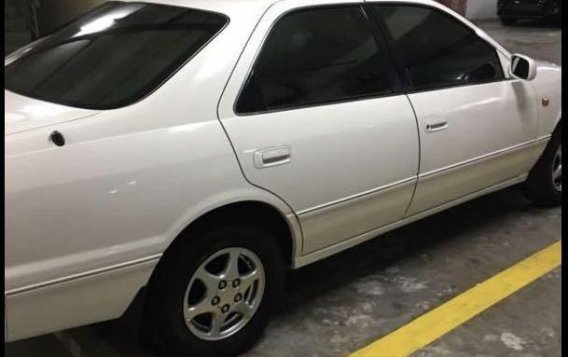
x,y
438,50
316,56
113,56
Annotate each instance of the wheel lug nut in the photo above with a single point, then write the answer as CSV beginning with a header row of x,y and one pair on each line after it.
x,y
215,300
225,309
222,284
238,297
236,283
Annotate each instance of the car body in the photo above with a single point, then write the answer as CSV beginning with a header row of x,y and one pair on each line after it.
x,y
97,196
511,10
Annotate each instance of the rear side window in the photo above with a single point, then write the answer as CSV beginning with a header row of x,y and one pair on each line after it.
x,y
113,56
316,56
438,50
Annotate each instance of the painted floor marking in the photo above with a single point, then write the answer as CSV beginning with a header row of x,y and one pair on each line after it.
x,y
434,324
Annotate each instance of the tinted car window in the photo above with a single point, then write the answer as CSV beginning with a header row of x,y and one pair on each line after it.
x,y
112,57
316,56
438,50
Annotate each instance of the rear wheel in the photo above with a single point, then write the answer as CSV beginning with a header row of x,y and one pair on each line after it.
x,y
544,184
214,293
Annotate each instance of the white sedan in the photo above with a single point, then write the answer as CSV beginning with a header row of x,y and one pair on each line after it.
x,y
189,151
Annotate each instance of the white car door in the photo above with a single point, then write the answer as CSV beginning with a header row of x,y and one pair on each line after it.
x,y
477,128
314,115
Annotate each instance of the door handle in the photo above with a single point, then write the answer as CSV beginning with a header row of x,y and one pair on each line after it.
x,y
278,155
430,128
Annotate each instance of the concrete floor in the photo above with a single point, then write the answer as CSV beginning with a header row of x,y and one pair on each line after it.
x,y
341,304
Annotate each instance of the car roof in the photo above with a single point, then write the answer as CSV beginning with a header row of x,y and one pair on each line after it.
x,y
227,7
252,10
231,6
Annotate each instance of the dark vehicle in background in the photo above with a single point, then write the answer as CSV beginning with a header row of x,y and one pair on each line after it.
x,y
510,11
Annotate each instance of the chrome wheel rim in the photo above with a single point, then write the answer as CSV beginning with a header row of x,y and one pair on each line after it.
x,y
224,293
557,169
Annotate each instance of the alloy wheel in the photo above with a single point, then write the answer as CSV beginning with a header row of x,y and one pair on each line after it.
x,y
224,293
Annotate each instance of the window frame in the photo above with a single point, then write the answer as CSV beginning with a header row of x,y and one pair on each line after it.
x,y
397,87
374,10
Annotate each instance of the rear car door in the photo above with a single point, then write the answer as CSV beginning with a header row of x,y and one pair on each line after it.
x,y
477,127
315,116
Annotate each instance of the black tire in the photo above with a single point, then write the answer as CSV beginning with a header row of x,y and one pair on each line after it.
x,y
507,21
539,187
165,323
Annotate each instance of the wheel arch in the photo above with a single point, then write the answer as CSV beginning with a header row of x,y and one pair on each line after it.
x,y
249,211
284,227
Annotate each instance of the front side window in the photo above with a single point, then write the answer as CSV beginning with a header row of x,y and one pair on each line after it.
x,y
113,56
316,56
438,50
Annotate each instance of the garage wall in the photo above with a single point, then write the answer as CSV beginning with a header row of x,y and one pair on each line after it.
x,y
481,9
53,14
457,5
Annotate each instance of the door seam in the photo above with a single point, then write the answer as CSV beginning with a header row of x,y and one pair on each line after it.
x,y
419,157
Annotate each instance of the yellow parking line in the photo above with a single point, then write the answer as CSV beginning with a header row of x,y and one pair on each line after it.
x,y
436,323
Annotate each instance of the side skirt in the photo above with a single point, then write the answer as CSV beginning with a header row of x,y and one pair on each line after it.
x,y
331,250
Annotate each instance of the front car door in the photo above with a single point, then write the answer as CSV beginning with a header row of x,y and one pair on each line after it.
x,y
478,128
315,116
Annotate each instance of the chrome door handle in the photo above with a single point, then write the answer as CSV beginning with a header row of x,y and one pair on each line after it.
x,y
430,128
278,155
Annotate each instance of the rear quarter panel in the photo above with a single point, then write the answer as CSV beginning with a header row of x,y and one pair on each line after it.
x,y
126,183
